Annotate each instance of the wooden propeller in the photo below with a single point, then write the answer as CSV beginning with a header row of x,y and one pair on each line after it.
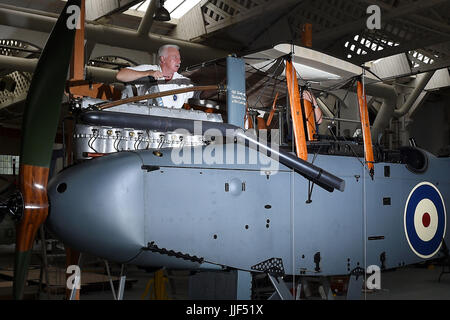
x,y
40,122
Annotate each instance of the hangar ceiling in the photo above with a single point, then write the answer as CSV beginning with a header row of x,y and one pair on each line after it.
x,y
339,26
417,30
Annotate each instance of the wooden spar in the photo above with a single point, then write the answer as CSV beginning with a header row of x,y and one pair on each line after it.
x,y
160,94
272,112
364,115
94,90
77,86
77,62
296,111
306,35
310,118
76,73
94,155
306,38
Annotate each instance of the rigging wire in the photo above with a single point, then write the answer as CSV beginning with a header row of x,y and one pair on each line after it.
x,y
348,144
292,186
260,69
347,82
354,153
269,77
352,83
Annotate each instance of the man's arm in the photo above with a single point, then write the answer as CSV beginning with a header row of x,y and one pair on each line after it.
x,y
318,114
127,75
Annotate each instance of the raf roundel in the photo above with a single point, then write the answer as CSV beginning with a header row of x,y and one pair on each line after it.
x,y
425,220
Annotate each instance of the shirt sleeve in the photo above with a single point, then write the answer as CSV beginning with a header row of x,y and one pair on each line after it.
x,y
310,97
144,67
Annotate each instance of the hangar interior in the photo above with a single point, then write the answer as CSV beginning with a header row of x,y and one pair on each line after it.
x,y
406,61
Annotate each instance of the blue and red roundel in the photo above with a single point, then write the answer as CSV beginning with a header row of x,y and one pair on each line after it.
x,y
425,220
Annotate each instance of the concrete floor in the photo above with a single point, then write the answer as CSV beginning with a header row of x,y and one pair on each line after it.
x,y
407,283
412,283
177,286
418,282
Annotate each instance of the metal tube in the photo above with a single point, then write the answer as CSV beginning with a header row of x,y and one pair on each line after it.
x,y
118,37
386,110
18,64
414,94
28,65
110,280
343,120
147,19
121,283
324,108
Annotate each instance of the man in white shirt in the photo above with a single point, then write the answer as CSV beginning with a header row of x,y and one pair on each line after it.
x,y
165,74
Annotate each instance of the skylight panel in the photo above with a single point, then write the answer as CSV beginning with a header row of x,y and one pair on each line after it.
x,y
176,8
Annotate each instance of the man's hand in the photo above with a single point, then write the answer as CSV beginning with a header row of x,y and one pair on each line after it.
x,y
159,75
155,74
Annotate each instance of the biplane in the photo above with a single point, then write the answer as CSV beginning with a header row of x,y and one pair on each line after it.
x,y
217,186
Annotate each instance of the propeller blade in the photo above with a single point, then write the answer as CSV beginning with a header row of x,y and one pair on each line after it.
x,y
40,122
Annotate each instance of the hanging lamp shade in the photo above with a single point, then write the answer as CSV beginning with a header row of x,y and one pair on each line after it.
x,y
161,13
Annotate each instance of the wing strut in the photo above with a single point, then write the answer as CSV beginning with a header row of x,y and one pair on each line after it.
x,y
296,111
272,111
309,115
364,115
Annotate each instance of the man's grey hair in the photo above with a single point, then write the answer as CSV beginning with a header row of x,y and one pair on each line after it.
x,y
162,51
